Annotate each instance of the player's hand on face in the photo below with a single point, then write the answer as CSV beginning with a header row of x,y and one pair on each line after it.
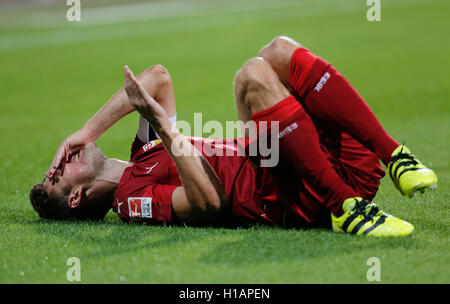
x,y
70,146
140,99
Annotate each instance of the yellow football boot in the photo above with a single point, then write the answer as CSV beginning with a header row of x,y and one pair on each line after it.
x,y
408,174
365,218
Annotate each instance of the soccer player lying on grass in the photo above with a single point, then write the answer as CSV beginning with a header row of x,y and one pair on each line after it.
x,y
330,144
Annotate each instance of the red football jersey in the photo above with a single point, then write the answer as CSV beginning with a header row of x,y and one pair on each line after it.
x,y
145,190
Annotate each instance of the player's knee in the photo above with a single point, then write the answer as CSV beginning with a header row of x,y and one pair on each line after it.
x,y
255,75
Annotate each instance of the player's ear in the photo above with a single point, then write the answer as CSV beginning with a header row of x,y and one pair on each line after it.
x,y
75,197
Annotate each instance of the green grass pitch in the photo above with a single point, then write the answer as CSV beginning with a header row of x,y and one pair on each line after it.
x,y
52,79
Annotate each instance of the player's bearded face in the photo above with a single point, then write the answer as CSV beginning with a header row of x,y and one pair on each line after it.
x,y
80,169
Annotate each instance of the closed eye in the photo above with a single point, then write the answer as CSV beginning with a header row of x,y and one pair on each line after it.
x,y
74,157
55,178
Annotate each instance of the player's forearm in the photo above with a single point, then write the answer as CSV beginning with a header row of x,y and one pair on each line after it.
x,y
115,109
204,191
157,84
202,186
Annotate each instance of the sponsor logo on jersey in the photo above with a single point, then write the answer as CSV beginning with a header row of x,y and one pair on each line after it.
x,y
151,144
322,82
288,129
140,207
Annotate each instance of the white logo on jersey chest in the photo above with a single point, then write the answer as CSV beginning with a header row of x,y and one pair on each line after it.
x,y
149,169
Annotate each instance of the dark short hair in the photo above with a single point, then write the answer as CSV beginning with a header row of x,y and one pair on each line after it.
x,y
56,208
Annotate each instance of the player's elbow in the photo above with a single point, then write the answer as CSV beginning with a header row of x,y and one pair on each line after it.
x,y
157,75
196,205
209,204
276,47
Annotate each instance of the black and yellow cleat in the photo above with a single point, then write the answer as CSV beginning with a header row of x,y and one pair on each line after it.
x,y
365,218
408,174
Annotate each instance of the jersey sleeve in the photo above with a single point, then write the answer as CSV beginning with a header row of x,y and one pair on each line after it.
x,y
153,205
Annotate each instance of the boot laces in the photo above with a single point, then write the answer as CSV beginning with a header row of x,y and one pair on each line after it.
x,y
361,206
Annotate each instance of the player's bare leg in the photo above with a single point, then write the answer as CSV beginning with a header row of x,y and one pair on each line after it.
x,y
343,107
331,101
260,96
256,88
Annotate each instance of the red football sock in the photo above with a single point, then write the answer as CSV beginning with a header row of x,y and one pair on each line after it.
x,y
299,147
331,100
